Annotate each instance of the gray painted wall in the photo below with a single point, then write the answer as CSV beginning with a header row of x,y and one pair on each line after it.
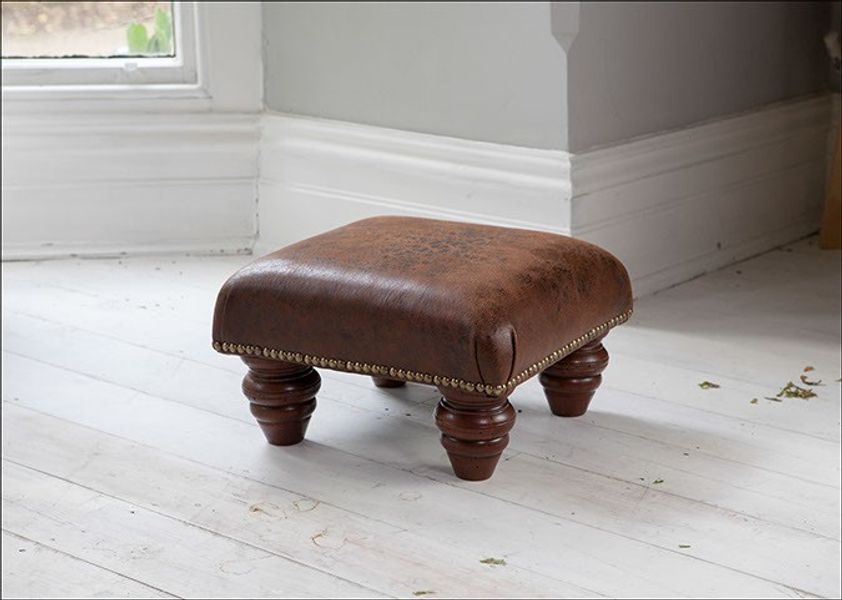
x,y
481,71
637,68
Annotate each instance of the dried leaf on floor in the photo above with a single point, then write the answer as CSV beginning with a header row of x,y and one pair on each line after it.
x,y
770,398
790,390
423,592
708,385
493,561
657,481
806,381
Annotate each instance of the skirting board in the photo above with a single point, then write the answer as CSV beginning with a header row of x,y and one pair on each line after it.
x,y
678,204
107,184
317,174
671,206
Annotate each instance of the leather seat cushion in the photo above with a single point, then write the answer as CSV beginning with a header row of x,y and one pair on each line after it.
x,y
424,300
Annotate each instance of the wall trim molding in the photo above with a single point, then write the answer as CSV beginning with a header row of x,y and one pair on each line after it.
x,y
672,205
105,184
677,204
318,173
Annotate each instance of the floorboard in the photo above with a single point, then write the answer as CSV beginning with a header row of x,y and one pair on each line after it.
x,y
114,403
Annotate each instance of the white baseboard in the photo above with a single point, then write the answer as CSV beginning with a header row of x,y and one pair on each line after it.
x,y
129,182
675,205
671,206
318,174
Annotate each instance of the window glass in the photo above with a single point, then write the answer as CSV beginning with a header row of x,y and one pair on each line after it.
x,y
87,29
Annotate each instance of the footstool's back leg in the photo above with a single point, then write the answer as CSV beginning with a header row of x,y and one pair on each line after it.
x,y
282,396
385,382
570,383
474,431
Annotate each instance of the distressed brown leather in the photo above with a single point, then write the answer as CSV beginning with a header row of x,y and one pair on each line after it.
x,y
459,300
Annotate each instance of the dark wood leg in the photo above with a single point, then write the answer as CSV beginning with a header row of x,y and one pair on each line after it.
x,y
282,396
474,431
570,383
385,382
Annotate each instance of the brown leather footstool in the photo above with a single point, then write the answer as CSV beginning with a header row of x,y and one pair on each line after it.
x,y
471,309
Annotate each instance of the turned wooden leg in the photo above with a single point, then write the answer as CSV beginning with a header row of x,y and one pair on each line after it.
x,y
385,382
474,431
282,396
570,383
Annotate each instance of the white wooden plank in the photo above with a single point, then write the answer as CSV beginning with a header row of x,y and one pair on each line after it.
x,y
315,533
477,522
595,443
33,570
98,362
747,331
143,545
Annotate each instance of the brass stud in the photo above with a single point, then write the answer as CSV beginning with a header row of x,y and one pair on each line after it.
x,y
216,346
469,386
331,363
401,374
428,379
445,381
393,372
436,380
366,368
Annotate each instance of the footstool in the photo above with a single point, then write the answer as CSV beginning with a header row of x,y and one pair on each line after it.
x,y
472,309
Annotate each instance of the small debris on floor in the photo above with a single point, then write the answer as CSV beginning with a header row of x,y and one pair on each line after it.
x,y
807,369
657,481
772,399
684,545
753,401
318,535
806,381
423,592
493,561
790,390
708,385
686,453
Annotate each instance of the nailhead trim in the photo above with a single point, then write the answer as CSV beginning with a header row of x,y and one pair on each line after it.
x,y
438,380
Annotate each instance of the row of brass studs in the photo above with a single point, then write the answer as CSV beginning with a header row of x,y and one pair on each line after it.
x,y
404,375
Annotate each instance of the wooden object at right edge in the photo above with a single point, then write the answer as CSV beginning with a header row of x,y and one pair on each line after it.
x,y
831,234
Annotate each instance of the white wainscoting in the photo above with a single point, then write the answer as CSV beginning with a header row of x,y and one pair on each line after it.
x,y
671,206
317,174
131,182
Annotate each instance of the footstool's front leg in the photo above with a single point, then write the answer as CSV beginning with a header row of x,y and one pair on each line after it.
x,y
474,431
282,396
570,383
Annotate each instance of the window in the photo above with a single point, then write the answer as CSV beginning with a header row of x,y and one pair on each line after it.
x,y
99,43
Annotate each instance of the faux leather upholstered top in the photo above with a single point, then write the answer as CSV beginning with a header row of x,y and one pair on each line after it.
x,y
424,300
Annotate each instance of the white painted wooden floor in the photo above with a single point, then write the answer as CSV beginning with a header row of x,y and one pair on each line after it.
x,y
131,465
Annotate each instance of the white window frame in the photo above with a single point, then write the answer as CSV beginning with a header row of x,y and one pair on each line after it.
x,y
129,73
